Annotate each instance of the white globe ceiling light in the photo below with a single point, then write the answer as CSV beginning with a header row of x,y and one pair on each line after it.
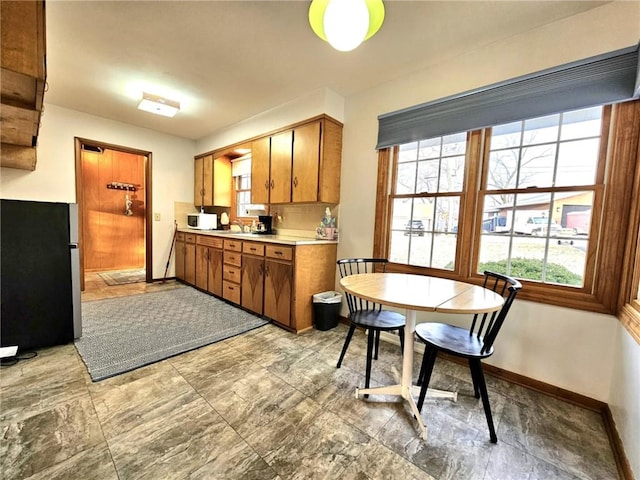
x,y
345,24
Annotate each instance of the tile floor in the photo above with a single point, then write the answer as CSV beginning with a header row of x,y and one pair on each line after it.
x,y
271,405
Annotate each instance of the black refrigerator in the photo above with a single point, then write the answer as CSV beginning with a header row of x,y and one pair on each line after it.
x,y
39,274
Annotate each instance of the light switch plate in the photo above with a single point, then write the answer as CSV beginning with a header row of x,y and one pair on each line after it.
x,y
156,217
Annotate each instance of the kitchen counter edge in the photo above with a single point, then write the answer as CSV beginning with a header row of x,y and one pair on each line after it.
x,y
252,237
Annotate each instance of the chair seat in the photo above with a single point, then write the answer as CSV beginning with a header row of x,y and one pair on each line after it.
x,y
452,339
378,319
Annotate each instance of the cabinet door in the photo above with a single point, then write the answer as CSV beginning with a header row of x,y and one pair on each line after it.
x,y
306,162
260,170
252,283
202,262
278,279
221,188
281,154
190,263
180,251
207,180
214,281
198,181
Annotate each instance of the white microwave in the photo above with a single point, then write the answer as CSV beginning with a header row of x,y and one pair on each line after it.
x,y
202,221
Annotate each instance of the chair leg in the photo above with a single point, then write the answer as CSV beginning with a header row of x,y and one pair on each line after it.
x,y
377,344
476,366
476,390
352,328
401,335
371,338
428,361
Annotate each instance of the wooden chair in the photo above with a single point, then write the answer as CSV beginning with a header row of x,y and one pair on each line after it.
x,y
367,314
473,344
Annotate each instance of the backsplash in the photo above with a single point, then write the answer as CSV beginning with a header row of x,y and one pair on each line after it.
x,y
294,220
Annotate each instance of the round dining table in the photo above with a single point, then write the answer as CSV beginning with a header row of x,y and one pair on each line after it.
x,y
418,293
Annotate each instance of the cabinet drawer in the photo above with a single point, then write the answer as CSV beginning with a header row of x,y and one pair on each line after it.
x,y
231,292
233,258
231,273
190,237
209,241
279,251
233,245
253,248
180,236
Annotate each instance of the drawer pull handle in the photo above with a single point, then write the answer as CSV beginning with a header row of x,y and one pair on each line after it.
x,y
277,252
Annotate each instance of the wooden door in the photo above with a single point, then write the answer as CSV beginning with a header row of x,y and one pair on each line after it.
x,y
190,263
260,170
202,264
113,210
306,161
278,280
252,283
281,152
180,253
198,181
214,281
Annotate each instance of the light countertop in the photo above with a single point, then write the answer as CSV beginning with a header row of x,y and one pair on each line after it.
x,y
254,237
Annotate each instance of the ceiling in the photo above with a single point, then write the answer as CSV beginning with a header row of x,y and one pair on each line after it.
x,y
226,61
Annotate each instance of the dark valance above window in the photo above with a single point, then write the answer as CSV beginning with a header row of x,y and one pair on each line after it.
x,y
607,78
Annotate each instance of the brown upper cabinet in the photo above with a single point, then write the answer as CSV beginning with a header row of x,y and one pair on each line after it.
x,y
298,165
22,27
212,185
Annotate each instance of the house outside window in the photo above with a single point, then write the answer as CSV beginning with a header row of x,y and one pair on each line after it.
x,y
426,201
538,196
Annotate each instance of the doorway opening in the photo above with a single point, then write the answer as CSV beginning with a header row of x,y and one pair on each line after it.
x,y
113,191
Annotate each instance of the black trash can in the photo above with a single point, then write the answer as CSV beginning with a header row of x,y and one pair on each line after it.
x,y
326,309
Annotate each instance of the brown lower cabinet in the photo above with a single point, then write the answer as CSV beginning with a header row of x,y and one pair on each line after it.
x,y
209,264
271,280
267,279
186,257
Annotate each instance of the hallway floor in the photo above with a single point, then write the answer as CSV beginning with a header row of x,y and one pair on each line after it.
x,y
269,404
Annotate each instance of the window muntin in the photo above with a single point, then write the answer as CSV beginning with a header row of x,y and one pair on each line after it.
x,y
426,194
541,236
536,200
243,195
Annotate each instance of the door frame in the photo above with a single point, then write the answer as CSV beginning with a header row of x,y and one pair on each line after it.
x,y
148,223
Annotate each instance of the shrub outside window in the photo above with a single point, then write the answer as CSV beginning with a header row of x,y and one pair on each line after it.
x,y
538,197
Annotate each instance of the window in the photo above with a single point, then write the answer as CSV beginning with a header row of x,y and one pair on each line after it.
x,y
426,201
241,171
538,196
543,199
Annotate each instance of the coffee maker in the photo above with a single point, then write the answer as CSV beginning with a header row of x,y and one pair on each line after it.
x,y
265,224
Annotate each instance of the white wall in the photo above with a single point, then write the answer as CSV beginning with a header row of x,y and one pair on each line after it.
x,y
624,400
54,177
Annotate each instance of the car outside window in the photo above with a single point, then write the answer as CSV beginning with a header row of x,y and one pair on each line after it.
x,y
540,181
429,176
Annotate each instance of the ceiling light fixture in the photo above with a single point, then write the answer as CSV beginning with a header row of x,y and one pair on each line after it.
x,y
345,24
158,105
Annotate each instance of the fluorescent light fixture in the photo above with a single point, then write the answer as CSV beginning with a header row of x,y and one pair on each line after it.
x,y
158,105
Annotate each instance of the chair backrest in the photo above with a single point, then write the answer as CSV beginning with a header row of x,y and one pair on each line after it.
x,y
354,266
490,323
